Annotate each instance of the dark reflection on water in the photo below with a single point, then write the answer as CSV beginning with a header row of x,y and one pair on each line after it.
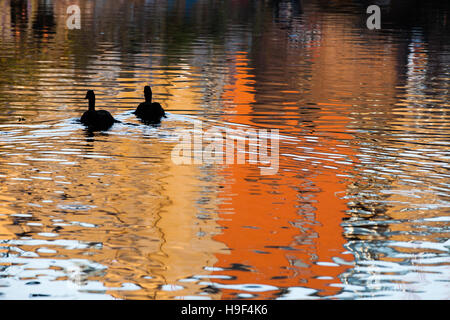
x,y
359,206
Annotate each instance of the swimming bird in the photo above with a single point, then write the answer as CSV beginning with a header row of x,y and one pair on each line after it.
x,y
100,120
148,111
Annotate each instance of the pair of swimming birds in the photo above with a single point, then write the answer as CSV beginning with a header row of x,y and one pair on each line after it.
x,y
100,120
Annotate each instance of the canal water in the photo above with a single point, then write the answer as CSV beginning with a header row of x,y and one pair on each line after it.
x,y
358,208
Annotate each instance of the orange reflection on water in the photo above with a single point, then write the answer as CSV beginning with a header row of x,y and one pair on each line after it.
x,y
267,227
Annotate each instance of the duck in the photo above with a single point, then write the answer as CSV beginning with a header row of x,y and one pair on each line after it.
x,y
148,111
94,120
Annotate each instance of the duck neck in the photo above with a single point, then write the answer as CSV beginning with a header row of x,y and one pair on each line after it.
x,y
148,97
92,104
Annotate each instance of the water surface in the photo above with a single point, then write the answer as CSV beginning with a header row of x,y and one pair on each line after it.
x,y
359,208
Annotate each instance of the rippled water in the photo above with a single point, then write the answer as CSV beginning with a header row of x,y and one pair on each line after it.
x,y
359,208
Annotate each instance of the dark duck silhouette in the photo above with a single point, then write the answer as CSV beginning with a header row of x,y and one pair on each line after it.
x,y
100,120
148,111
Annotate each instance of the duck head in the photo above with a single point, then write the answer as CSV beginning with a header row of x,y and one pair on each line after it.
x,y
148,94
91,96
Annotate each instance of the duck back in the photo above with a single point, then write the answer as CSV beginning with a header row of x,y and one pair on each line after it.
x,y
97,120
150,112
